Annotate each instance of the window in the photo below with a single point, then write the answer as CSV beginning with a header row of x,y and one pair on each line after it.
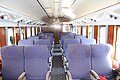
x,y
66,28
102,38
28,32
84,30
79,30
10,37
33,33
118,45
90,32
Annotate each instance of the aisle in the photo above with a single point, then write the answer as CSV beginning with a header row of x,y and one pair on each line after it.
x,y
57,72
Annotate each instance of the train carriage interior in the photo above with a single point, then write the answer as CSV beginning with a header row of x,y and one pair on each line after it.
x,y
59,39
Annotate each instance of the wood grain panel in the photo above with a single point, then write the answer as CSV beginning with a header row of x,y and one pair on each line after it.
x,y
56,32
2,36
81,30
30,31
96,33
17,35
111,34
38,30
25,31
35,30
87,30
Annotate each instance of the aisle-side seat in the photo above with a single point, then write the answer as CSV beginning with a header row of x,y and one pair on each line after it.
x,y
68,42
50,38
36,62
43,42
79,62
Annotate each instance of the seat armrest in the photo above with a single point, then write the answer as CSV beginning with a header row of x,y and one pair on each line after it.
x,y
65,61
50,62
94,75
50,59
48,75
51,50
68,75
22,76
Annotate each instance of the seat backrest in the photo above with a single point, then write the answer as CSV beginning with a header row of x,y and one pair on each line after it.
x,y
80,37
43,42
88,41
25,42
36,62
66,37
41,34
49,34
101,58
33,38
70,33
12,62
50,38
79,61
67,43
70,41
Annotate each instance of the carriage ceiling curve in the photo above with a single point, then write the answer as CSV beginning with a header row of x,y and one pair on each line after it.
x,y
80,11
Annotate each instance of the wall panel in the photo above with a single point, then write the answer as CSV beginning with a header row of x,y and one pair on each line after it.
x,y
2,36
96,33
53,29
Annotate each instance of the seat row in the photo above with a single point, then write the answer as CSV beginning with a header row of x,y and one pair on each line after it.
x,y
83,40
25,62
68,42
31,62
48,34
35,42
43,37
89,61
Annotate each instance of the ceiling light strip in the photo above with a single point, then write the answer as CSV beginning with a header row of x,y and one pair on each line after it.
x,y
73,3
42,8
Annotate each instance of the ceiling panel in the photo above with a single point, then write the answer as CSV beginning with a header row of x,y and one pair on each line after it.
x,y
84,7
117,11
56,8
56,1
29,8
46,3
32,9
67,3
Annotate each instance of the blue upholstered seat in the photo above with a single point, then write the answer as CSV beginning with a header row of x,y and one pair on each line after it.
x,y
79,61
101,58
36,62
12,62
25,42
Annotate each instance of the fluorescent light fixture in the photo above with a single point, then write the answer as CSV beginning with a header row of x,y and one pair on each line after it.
x,y
57,1
67,3
57,26
68,12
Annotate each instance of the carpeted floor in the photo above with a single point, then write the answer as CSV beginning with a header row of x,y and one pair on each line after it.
x,y
57,72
